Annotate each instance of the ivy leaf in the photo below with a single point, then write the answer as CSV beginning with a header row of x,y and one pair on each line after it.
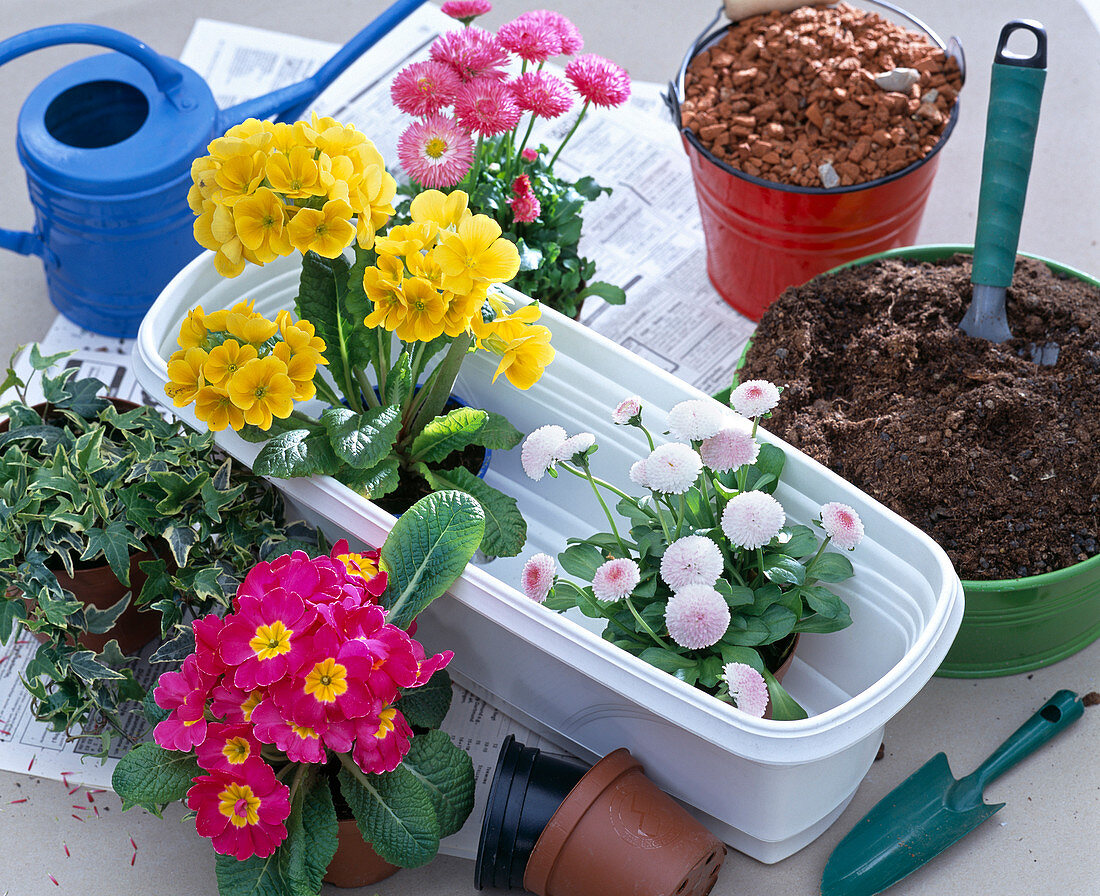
x,y
151,777
296,453
427,549
84,664
114,543
447,774
362,440
505,527
427,705
99,621
394,813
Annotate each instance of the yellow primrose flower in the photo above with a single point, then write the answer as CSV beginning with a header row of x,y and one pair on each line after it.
x,y
295,174
250,327
476,253
406,240
463,311
204,176
424,311
389,310
301,369
338,139
384,278
238,176
193,329
262,389
214,408
225,360
327,231
230,258
301,338
445,210
185,376
260,220
525,357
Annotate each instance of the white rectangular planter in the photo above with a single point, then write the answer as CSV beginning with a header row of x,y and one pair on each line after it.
x,y
767,788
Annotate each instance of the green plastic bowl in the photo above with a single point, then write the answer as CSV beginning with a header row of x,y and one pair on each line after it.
x,y
1014,625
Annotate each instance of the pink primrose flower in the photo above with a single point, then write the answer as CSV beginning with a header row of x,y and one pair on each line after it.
x,y
227,746
530,39
381,741
241,811
752,519
300,742
472,53
747,688
729,449
207,634
422,88
697,616
842,524
691,560
754,398
538,576
233,704
599,81
429,665
267,639
435,152
466,10
486,107
616,579
184,693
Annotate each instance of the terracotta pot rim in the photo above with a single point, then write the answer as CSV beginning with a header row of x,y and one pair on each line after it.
x,y
580,799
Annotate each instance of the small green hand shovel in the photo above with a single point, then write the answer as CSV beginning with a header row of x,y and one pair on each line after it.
x,y
930,810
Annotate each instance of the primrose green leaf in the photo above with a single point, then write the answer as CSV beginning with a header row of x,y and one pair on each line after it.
x,y
151,777
394,813
427,705
376,482
505,527
447,775
296,453
450,432
362,440
311,839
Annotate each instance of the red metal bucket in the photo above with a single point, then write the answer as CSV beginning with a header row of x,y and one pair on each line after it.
x,y
762,237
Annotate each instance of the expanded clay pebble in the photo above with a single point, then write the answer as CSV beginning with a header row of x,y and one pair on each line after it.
x,y
787,96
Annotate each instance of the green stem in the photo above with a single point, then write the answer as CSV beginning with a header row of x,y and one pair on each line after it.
x,y
645,625
435,392
385,343
572,131
603,504
324,391
367,390
523,143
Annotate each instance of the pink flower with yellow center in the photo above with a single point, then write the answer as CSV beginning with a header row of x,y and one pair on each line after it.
x,y
424,87
207,631
232,704
227,746
381,741
363,565
486,107
301,742
435,152
599,81
267,639
184,693
472,53
243,811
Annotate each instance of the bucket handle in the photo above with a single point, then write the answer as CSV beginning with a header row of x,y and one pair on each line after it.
x,y
676,87
167,77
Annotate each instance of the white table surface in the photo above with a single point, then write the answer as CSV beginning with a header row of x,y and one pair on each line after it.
x,y
1043,841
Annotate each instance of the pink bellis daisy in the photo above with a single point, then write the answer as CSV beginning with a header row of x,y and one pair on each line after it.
x,y
752,519
525,204
615,579
531,40
628,411
472,53
542,93
486,107
637,473
754,398
435,152
241,811
599,81
747,688
424,87
673,468
575,445
697,616
842,524
540,450
695,420
729,449
569,35
466,10
538,576
691,560
529,155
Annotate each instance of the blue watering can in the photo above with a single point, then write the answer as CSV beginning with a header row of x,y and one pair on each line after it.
x,y
107,143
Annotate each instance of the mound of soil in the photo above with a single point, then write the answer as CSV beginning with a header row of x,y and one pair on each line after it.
x,y
993,455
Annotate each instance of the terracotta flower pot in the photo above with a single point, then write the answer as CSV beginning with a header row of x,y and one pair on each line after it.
x,y
612,833
355,864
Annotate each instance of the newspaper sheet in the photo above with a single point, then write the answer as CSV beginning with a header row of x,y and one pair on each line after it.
x,y
645,236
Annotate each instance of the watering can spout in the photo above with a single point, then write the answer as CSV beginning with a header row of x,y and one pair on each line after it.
x,y
289,103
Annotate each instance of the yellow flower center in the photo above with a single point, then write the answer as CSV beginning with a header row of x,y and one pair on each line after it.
x,y
303,732
250,704
271,640
385,719
239,804
327,681
435,147
236,750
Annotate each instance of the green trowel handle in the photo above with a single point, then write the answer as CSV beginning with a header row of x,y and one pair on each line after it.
x,y
1057,714
1015,92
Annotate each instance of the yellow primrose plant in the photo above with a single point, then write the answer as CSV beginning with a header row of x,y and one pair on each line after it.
x,y
390,316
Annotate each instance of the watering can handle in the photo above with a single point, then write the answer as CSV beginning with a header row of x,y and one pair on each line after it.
x,y
166,74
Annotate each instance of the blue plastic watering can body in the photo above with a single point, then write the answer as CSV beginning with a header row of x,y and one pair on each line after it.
x,y
107,145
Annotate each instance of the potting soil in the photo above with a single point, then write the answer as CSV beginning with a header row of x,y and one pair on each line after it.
x,y
996,457
783,94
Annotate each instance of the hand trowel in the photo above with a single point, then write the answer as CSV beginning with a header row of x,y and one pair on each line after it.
x,y
930,810
1015,92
